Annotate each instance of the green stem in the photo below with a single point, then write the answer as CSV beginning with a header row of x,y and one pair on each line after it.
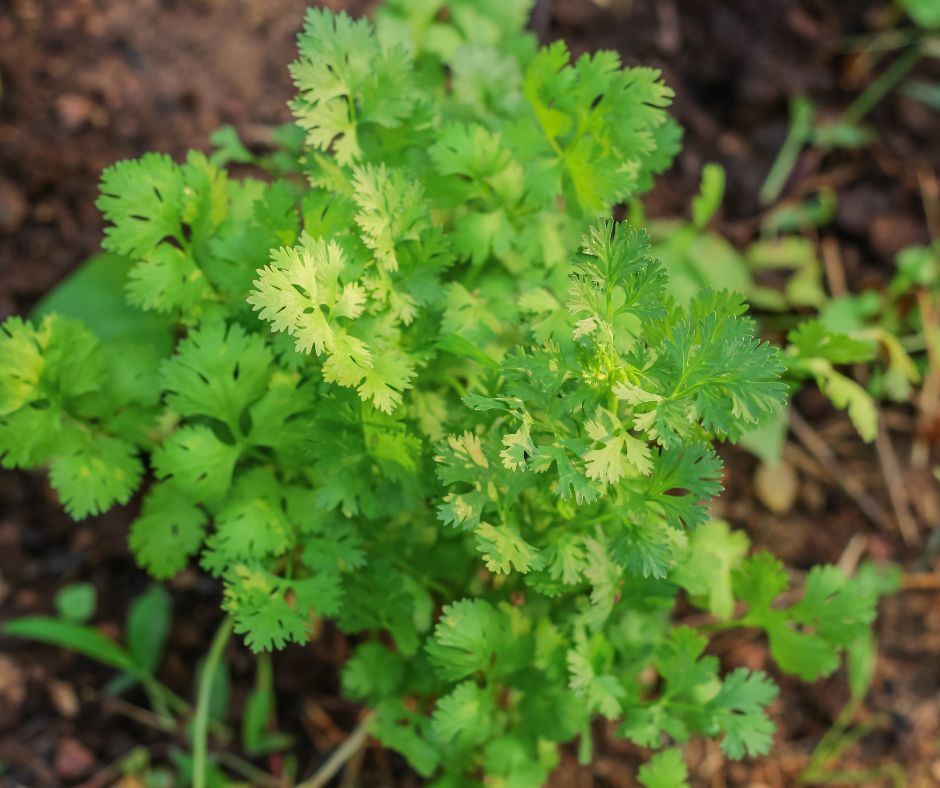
x,y
203,697
602,518
158,700
264,678
165,701
586,745
801,129
880,88
247,770
884,41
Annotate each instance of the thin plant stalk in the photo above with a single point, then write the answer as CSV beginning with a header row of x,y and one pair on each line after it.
x,y
801,130
882,86
203,697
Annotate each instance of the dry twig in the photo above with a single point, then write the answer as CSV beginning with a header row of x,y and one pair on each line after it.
x,y
930,196
849,482
897,490
921,581
835,271
356,741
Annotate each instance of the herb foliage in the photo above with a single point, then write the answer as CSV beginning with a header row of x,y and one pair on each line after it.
x,y
421,386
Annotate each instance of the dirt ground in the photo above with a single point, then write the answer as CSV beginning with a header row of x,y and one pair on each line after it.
x,y
87,82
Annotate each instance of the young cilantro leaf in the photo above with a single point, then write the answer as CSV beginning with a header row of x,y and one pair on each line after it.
x,y
467,639
142,200
347,81
374,672
272,611
805,638
739,711
665,769
300,293
463,715
168,532
597,118
218,371
198,462
391,210
92,477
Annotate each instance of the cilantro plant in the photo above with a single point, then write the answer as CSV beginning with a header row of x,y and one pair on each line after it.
x,y
415,382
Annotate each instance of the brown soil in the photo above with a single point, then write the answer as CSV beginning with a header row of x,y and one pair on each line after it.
x,y
87,82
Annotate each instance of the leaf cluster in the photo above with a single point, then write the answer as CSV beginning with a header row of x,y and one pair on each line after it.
x,y
419,385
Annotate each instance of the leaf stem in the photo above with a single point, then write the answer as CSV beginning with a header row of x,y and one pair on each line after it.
x,y
204,695
880,88
586,745
801,129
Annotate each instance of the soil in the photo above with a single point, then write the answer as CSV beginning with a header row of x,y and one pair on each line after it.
x,y
88,82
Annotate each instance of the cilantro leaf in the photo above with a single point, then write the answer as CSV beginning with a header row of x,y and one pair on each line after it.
x,y
714,551
166,279
272,611
347,82
168,532
152,199
218,371
382,598
619,454
251,524
300,293
694,469
738,709
198,462
391,210
504,549
373,672
468,638
711,364
142,199
811,339
23,365
463,715
94,476
589,667
807,637
403,729
647,547
666,769
598,119
47,414
463,459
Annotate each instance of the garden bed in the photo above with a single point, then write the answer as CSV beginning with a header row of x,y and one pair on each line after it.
x,y
85,84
